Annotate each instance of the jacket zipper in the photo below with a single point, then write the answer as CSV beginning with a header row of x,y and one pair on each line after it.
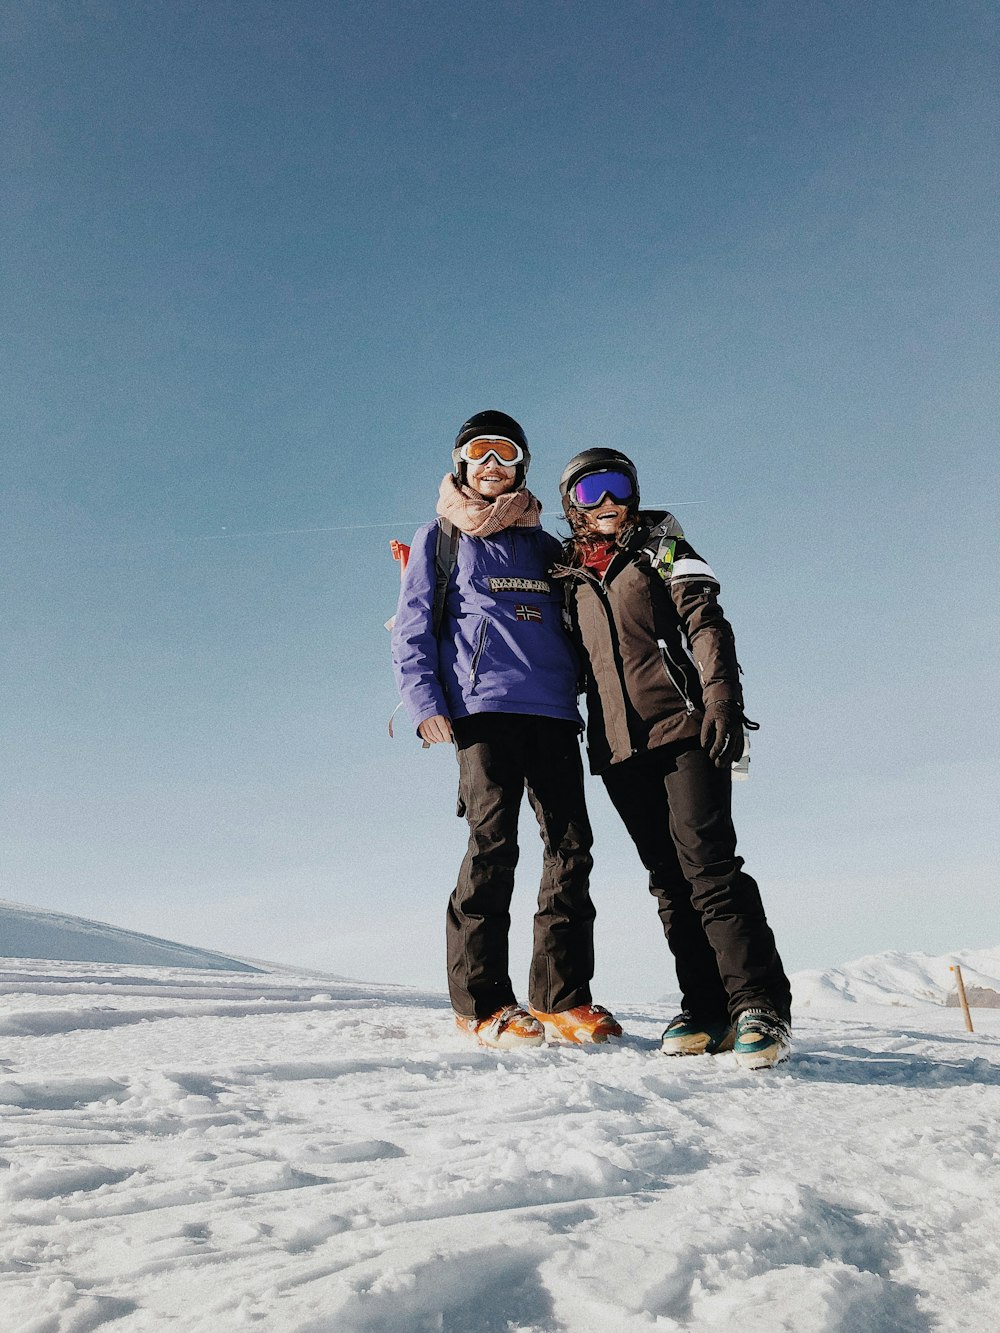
x,y
599,586
474,665
669,662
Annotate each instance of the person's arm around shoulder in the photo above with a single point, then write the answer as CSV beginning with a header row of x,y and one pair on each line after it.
x,y
415,656
570,614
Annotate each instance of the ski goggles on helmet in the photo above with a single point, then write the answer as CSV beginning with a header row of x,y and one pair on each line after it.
x,y
503,450
589,491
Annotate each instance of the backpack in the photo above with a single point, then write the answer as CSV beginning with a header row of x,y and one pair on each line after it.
x,y
445,560
661,546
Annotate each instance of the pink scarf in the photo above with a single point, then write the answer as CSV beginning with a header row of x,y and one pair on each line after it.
x,y
473,513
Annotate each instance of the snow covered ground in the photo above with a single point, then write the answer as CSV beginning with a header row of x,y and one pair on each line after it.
x,y
212,1151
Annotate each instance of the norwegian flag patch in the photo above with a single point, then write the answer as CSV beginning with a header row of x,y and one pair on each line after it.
x,y
524,612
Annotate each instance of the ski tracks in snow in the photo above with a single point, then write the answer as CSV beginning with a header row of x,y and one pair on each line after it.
x,y
203,1152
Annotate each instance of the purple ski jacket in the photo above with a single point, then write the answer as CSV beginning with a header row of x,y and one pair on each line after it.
x,y
502,647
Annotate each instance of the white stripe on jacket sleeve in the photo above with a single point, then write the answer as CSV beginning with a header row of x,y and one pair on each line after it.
x,y
687,568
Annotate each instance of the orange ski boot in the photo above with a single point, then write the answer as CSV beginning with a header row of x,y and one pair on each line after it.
x,y
584,1024
505,1030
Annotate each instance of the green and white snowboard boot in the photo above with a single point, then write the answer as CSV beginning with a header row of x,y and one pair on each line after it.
x,y
684,1035
762,1039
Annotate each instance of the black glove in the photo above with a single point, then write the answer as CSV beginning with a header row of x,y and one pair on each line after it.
x,y
722,732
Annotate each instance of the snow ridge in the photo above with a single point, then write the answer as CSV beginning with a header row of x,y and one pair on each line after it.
x,y
36,932
901,979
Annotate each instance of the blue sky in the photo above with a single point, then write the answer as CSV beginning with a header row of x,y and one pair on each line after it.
x,y
260,260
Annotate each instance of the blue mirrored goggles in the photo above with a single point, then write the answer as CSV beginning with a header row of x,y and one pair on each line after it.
x,y
589,491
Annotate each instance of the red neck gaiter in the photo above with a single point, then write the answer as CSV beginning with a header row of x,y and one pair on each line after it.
x,y
599,556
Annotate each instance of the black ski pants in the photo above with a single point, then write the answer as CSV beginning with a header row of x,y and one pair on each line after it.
x,y
677,807
500,755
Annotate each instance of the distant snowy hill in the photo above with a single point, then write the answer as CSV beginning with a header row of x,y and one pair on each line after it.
x,y
34,932
903,979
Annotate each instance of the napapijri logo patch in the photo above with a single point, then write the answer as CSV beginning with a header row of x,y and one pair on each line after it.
x,y
519,585
527,612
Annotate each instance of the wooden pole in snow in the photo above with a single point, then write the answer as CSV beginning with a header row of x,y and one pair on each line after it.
x,y
961,997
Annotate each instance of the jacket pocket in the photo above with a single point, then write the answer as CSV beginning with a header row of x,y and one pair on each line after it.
x,y
478,652
675,674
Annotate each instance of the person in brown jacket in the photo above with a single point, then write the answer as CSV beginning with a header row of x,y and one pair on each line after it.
x,y
665,725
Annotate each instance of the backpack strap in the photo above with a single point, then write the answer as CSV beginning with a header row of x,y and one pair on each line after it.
x,y
445,560
661,546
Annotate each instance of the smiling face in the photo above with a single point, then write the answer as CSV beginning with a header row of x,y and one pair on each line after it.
x,y
490,478
606,519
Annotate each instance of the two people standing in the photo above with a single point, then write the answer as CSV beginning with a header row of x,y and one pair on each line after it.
x,y
627,608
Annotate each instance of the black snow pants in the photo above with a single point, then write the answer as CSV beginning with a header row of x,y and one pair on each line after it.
x,y
677,806
500,755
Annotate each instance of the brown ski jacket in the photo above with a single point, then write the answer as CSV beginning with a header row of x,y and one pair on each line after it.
x,y
654,642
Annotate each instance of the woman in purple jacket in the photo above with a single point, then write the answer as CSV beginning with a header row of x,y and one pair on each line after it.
x,y
498,678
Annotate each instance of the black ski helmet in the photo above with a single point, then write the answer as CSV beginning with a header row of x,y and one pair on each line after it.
x,y
596,460
492,422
